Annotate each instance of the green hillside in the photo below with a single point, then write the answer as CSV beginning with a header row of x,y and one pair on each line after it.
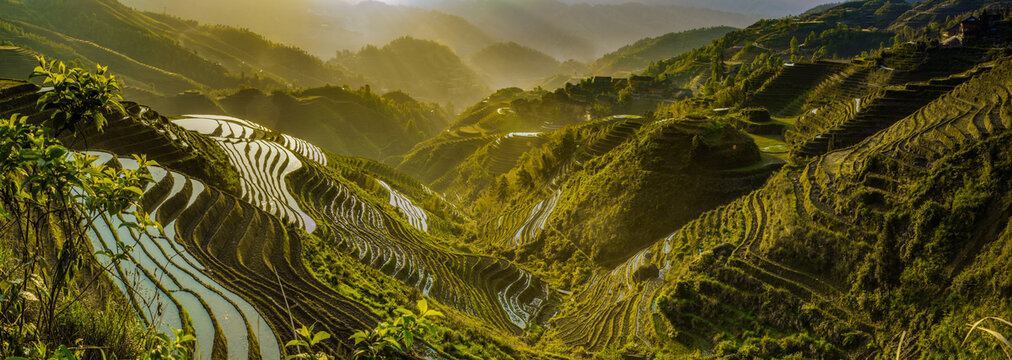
x,y
639,55
828,186
159,53
425,68
210,66
841,32
353,122
344,121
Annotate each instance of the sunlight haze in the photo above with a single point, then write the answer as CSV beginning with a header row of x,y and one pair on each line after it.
x,y
505,179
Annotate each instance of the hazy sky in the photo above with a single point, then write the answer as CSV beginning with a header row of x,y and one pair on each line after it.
x,y
768,8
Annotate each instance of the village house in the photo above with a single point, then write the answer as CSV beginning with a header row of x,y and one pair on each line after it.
x,y
975,28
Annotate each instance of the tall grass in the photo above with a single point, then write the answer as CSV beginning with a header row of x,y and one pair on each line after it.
x,y
115,330
1003,341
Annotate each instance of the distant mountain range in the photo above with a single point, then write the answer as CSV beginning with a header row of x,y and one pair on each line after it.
x,y
158,53
764,8
580,31
512,64
564,31
422,67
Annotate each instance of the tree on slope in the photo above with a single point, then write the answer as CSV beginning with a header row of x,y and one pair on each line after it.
x,y
50,198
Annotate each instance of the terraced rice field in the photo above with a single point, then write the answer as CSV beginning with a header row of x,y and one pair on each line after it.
x,y
415,215
16,62
520,226
304,148
617,306
973,111
162,279
610,310
210,262
235,269
488,288
492,289
263,165
785,94
531,228
20,98
220,126
879,112
507,149
619,129
848,84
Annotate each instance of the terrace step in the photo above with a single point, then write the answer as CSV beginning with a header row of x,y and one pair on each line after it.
x,y
502,294
783,95
614,135
172,270
881,113
506,151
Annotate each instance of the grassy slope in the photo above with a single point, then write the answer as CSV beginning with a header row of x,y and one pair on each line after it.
x,y
639,55
840,32
349,122
156,52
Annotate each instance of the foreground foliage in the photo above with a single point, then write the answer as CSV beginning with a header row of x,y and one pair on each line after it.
x,y
77,96
49,198
395,336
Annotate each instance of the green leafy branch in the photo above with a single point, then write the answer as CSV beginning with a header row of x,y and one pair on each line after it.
x,y
306,338
397,336
77,95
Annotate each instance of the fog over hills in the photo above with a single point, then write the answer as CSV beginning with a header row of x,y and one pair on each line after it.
x,y
582,31
764,8
559,29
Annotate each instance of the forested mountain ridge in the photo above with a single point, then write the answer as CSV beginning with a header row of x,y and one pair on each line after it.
x,y
561,30
842,31
416,66
180,67
639,55
158,53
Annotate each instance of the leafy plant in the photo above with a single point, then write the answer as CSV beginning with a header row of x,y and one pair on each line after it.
x,y
50,197
307,339
163,348
396,336
77,95
41,182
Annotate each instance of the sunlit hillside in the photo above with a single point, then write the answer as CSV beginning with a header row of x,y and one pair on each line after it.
x,y
470,179
423,67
